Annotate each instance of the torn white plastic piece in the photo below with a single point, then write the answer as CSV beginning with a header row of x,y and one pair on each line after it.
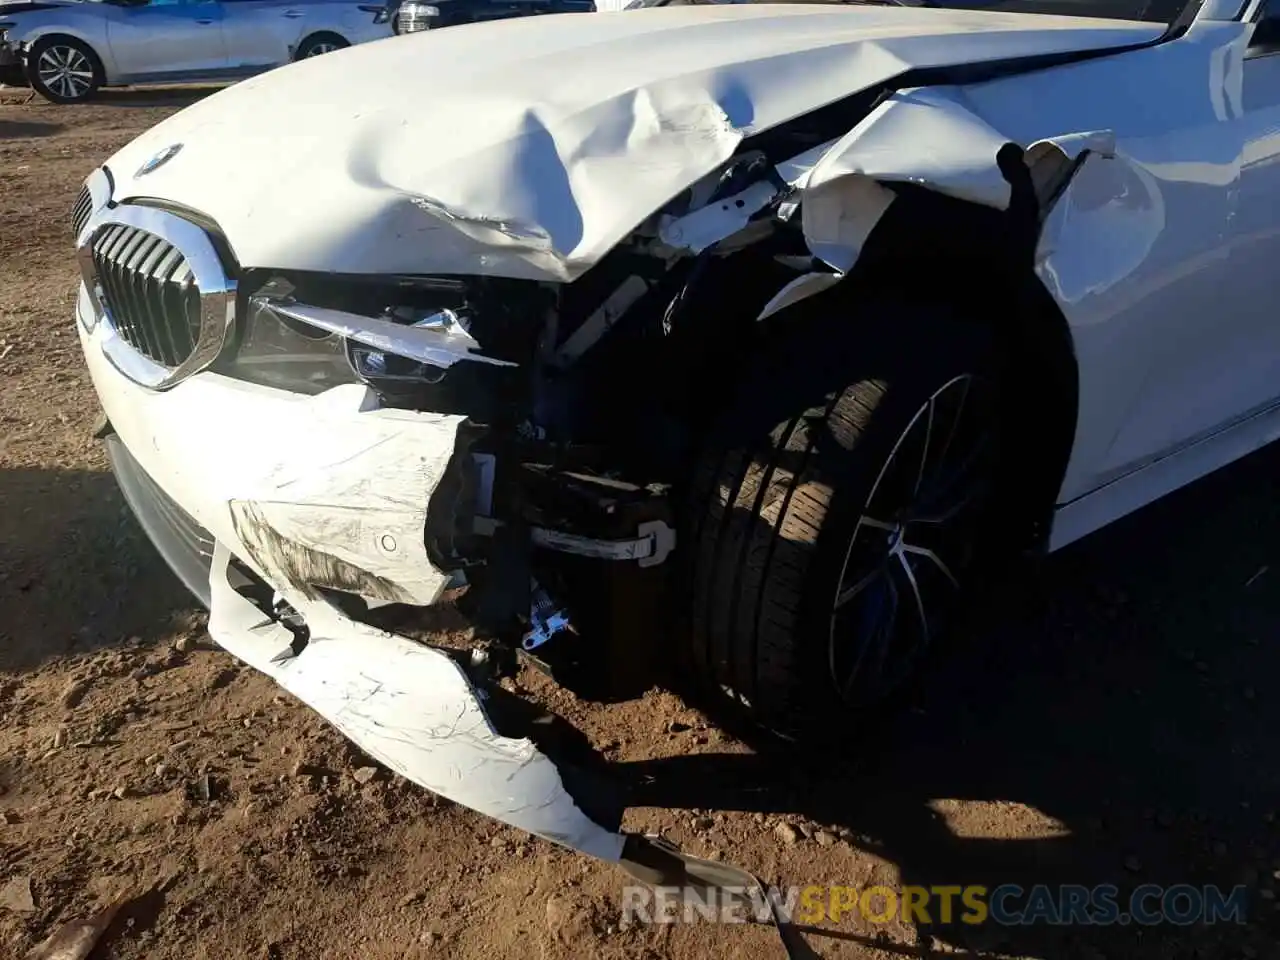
x,y
710,224
412,708
801,288
426,345
838,216
604,317
925,136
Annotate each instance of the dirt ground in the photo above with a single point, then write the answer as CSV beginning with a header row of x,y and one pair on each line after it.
x,y
1110,717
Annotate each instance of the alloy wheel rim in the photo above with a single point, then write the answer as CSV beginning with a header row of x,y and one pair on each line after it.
x,y
909,543
66,71
321,48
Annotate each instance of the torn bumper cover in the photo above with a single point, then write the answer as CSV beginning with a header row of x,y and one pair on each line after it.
x,y
324,491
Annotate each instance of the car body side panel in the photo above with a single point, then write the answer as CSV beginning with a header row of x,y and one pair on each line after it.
x,y
261,34
1136,252
166,41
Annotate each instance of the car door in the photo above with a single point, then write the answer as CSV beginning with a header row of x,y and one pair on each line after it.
x,y
1217,365
159,39
260,34
499,9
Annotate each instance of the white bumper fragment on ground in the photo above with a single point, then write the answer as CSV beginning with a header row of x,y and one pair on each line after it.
x,y
410,707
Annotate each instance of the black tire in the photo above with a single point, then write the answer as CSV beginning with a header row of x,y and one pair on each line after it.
x,y
319,44
782,499
64,70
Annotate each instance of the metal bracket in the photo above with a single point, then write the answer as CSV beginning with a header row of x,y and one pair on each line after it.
x,y
654,544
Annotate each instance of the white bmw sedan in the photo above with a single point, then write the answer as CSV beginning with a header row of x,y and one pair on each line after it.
x,y
724,346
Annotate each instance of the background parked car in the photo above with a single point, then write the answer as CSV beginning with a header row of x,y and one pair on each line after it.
x,y
68,49
413,16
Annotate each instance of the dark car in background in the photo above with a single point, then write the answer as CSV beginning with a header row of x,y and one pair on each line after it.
x,y
413,16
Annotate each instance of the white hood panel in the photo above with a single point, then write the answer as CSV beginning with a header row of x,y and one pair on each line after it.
x,y
529,148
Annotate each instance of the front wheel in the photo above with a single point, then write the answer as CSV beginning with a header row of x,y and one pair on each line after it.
x,y
838,511
63,70
319,44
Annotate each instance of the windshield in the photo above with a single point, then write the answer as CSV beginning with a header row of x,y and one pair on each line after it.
x,y
1151,11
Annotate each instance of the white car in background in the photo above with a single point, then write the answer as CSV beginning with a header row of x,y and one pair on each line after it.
x,y
714,343
68,49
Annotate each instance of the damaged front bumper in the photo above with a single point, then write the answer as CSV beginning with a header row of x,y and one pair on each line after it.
x,y
328,491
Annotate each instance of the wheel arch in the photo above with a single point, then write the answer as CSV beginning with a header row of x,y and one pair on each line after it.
x,y
94,50
982,260
320,34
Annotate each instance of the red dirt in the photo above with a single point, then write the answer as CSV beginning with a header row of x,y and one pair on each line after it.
x,y
1110,720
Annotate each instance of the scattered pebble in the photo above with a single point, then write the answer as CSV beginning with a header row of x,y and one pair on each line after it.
x,y
121,792
220,679
363,775
787,833
16,896
185,644
824,839
74,693
203,789
163,770
60,738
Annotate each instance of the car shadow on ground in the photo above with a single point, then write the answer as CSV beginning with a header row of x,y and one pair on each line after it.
x,y
180,96
76,571
21,129
1128,688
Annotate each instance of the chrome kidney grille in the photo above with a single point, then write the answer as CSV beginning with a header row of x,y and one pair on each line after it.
x,y
161,288
150,293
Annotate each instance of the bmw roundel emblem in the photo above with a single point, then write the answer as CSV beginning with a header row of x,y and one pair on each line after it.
x,y
159,160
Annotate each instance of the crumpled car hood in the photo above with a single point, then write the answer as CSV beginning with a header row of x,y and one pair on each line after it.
x,y
529,148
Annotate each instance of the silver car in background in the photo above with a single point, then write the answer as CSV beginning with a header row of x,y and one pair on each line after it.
x,y
68,49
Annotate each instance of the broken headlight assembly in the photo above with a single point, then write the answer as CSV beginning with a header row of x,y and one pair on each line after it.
x,y
275,350
406,352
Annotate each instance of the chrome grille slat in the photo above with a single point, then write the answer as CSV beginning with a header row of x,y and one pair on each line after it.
x,y
81,211
137,282
149,291
174,354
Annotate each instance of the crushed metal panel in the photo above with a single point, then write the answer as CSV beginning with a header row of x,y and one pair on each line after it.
x,y
536,178
412,708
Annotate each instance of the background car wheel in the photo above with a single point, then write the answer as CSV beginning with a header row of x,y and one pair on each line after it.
x,y
320,43
63,70
837,512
